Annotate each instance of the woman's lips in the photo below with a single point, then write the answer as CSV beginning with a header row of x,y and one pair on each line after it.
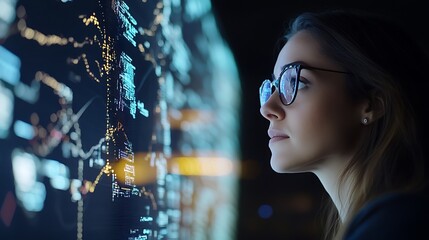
x,y
276,139
276,135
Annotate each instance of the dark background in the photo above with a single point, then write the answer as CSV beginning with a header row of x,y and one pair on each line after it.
x,y
252,28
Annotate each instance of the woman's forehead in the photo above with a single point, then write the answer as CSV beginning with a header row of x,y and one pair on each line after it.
x,y
302,47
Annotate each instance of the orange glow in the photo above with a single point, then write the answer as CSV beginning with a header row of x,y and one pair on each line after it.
x,y
145,168
144,172
202,166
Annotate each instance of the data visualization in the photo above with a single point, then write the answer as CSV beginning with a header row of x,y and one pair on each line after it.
x,y
119,119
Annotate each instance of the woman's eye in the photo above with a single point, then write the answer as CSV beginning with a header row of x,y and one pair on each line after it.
x,y
302,84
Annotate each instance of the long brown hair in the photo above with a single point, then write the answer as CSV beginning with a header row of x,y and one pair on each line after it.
x,y
387,68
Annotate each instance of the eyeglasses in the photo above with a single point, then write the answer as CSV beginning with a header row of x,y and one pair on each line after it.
x,y
288,83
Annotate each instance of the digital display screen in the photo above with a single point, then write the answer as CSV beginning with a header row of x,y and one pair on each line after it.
x,y
119,120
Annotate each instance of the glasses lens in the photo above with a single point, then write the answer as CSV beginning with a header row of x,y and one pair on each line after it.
x,y
288,85
265,92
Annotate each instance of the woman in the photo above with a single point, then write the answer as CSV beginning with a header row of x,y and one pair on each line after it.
x,y
347,103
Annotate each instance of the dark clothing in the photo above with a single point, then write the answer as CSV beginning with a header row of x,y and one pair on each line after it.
x,y
392,216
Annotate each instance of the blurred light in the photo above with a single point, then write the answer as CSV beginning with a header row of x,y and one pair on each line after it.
x,y
196,9
23,130
202,166
265,211
6,113
8,209
61,89
53,168
74,190
9,65
60,183
7,15
58,173
7,10
162,218
33,200
29,192
97,162
30,93
24,170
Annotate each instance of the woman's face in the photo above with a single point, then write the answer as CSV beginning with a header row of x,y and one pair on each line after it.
x,y
322,125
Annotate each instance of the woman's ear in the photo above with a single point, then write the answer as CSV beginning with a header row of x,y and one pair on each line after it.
x,y
373,108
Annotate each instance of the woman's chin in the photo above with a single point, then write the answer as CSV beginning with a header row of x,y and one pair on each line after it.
x,y
286,166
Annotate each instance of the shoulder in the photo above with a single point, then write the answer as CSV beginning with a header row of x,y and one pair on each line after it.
x,y
391,216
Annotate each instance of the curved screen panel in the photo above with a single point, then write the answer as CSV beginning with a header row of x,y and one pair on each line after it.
x,y
119,120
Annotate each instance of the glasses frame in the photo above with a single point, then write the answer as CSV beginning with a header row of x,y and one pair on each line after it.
x,y
298,66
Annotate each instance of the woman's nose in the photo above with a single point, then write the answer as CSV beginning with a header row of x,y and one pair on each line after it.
x,y
273,108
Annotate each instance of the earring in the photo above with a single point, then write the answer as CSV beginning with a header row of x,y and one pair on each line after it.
x,y
365,121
